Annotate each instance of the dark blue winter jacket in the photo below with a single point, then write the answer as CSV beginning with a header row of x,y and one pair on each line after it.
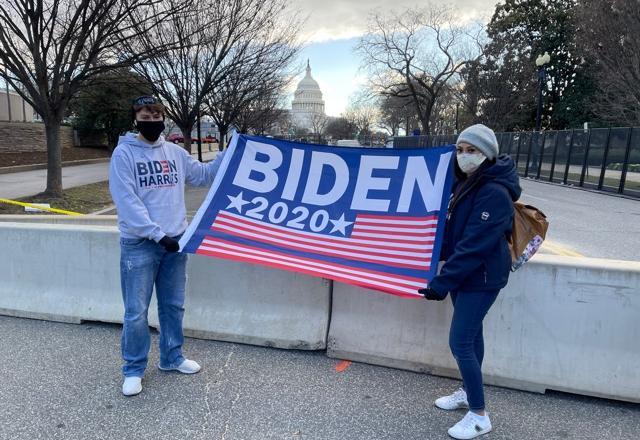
x,y
479,223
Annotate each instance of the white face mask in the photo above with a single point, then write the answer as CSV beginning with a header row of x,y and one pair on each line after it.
x,y
468,163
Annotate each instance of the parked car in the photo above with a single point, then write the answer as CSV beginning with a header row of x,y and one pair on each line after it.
x,y
177,138
209,140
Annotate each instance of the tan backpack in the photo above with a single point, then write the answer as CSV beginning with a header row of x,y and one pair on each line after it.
x,y
529,230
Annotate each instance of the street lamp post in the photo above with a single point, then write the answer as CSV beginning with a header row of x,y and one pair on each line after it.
x,y
457,112
198,113
541,62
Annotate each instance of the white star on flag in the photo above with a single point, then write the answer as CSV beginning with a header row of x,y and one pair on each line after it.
x,y
237,202
340,225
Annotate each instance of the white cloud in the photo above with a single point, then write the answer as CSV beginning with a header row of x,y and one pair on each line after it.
x,y
332,30
339,19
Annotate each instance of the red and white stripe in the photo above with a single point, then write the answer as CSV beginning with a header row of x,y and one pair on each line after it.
x,y
391,283
405,242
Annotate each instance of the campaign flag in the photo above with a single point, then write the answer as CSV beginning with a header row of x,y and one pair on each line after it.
x,y
372,217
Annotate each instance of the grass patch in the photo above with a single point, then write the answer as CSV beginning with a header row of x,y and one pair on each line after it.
x,y
83,199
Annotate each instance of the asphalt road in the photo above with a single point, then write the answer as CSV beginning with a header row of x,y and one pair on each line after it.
x,y
589,223
62,381
580,222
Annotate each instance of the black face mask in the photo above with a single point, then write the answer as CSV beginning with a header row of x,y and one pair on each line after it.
x,y
151,130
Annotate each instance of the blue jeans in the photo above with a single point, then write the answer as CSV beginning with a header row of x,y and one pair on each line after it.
x,y
142,263
466,342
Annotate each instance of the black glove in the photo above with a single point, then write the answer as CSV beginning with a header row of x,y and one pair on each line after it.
x,y
169,244
431,294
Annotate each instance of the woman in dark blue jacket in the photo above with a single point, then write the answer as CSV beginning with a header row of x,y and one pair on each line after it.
x,y
477,263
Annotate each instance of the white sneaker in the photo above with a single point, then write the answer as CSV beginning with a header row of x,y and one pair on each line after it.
x,y
471,426
132,386
187,367
456,400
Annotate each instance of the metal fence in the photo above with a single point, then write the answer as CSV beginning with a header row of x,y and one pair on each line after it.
x,y
605,159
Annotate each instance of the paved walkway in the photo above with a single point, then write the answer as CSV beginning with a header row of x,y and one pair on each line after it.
x,y
62,381
28,183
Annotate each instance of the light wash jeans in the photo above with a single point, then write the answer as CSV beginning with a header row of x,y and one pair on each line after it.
x,y
142,263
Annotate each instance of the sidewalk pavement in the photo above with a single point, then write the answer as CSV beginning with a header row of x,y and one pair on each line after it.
x,y
62,381
28,183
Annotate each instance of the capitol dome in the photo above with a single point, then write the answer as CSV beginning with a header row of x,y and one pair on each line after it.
x,y
308,84
307,101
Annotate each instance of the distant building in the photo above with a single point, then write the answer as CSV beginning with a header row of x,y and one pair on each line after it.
x,y
307,102
207,128
14,108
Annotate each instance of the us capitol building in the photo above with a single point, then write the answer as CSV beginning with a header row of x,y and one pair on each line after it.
x,y
307,101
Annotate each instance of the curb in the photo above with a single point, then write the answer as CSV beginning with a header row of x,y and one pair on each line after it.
x,y
102,211
43,166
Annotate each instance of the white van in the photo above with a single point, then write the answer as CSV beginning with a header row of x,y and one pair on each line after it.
x,y
348,143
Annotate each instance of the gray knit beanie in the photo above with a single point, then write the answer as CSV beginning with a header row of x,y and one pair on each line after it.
x,y
481,137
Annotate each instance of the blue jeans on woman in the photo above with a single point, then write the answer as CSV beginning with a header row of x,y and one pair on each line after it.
x,y
142,263
466,341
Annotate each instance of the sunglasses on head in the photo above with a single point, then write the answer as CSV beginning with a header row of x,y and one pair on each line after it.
x,y
146,100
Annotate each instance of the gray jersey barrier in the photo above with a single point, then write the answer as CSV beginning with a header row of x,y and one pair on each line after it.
x,y
562,323
70,273
567,324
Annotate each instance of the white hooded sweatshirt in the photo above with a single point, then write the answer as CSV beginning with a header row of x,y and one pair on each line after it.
x,y
147,185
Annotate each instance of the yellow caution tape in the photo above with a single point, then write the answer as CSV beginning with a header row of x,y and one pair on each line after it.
x,y
42,208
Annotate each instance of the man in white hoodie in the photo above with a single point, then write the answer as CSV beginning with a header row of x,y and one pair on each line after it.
x,y
147,177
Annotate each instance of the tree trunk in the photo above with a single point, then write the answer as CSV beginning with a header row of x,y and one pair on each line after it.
x,y
425,120
112,139
54,159
223,136
186,134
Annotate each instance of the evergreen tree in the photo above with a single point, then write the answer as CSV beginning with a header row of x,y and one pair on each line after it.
x,y
608,36
520,31
103,104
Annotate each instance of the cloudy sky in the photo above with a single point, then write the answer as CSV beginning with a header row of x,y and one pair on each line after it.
x,y
332,30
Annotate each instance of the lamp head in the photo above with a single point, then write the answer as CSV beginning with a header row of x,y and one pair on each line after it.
x,y
543,59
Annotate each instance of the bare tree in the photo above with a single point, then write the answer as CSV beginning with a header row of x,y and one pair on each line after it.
x,y
253,85
263,114
217,37
363,113
396,112
415,55
248,97
318,123
209,31
608,34
48,48
340,128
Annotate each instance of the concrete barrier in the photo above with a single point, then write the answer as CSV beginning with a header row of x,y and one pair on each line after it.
x,y
60,272
96,220
71,273
567,324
